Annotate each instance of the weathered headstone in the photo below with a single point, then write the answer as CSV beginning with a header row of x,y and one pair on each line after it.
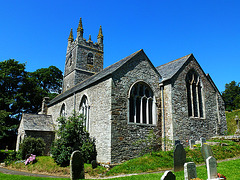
x,y
168,175
191,143
179,158
202,140
76,166
176,142
94,164
190,171
206,151
211,168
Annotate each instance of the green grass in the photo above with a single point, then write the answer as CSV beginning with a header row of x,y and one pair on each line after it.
x,y
231,123
230,169
164,159
46,164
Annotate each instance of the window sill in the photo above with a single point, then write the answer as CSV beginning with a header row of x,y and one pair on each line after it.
x,y
141,124
197,118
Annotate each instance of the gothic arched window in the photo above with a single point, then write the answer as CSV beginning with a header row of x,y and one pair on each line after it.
x,y
84,110
63,110
90,58
194,94
141,104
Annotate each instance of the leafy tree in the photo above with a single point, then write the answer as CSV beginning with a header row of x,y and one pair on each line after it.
x,y
73,136
49,79
22,91
231,96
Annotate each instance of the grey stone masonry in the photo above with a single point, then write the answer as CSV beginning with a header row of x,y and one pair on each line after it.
x,y
178,122
168,175
83,59
76,166
190,171
179,158
126,134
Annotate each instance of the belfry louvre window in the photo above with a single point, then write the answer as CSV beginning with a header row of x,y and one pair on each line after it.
x,y
90,59
84,110
194,94
141,104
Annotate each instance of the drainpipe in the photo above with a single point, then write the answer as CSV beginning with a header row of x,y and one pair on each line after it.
x,y
163,118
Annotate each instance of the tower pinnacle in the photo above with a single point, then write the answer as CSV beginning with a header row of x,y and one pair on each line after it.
x,y
70,38
80,29
100,35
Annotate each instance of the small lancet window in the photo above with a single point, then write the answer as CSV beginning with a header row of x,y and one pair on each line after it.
x,y
63,111
194,94
141,104
90,58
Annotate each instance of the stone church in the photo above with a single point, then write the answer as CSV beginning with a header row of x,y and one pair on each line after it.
x,y
125,101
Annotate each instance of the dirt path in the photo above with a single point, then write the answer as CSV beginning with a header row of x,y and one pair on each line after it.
x,y
13,172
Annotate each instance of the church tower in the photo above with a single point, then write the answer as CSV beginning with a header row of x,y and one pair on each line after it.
x,y
83,59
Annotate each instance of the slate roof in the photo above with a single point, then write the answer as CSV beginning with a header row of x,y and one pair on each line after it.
x,y
37,122
102,74
167,71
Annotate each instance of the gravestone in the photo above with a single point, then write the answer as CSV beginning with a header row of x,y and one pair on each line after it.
x,y
211,164
191,143
94,164
76,166
206,151
179,158
176,142
202,140
190,171
168,175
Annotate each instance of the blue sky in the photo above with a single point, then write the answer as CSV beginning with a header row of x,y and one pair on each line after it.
x,y
36,31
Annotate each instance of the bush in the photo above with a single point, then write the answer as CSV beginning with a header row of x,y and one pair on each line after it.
x,y
12,156
30,146
72,136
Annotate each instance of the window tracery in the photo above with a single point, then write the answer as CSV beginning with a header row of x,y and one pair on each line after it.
x,y
194,94
141,104
84,110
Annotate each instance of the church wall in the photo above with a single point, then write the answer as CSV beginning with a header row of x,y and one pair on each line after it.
x,y
126,137
222,123
168,121
99,99
186,127
68,81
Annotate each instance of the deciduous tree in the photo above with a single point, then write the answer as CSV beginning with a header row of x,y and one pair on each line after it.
x,y
231,96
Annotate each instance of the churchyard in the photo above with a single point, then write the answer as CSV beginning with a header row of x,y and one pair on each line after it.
x,y
154,162
196,155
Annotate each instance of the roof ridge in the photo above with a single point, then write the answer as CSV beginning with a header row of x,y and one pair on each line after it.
x,y
175,60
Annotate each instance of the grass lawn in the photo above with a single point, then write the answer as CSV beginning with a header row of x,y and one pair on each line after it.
x,y
230,169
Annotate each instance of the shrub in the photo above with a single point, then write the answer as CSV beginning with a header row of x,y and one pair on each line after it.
x,y
12,156
30,146
72,135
